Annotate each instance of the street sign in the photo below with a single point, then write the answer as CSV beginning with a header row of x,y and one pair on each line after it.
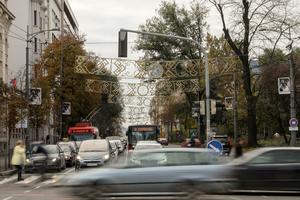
x,y
284,85
35,96
213,106
293,122
215,145
66,108
293,128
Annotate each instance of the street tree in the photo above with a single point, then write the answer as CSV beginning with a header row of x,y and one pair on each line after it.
x,y
254,23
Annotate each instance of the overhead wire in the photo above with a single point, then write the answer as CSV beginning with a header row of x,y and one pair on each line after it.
x,y
19,28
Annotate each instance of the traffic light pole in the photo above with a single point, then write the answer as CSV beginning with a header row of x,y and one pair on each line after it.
x,y
123,53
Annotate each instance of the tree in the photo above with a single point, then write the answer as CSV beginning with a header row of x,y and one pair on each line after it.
x,y
243,31
62,84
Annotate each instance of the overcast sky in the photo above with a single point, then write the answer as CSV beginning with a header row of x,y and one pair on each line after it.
x,y
100,21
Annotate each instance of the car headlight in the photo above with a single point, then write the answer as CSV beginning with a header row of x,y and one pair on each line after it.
x,y
78,157
54,159
106,157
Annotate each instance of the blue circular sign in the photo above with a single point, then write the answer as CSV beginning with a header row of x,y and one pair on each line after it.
x,y
215,145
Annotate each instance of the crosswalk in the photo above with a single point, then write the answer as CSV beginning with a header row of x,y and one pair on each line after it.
x,y
44,179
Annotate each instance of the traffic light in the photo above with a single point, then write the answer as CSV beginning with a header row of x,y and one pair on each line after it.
x,y
122,44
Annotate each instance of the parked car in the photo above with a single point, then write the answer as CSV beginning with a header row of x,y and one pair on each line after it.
x,y
119,145
45,157
183,171
69,151
93,153
114,150
268,170
163,141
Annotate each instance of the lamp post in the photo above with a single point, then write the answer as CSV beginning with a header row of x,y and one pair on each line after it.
x,y
29,37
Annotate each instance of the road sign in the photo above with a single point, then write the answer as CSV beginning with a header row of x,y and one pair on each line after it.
x,y
293,128
215,145
284,85
293,122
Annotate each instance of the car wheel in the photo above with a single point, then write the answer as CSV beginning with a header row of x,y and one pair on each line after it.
x,y
191,191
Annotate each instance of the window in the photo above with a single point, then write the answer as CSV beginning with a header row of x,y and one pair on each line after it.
x,y
277,157
35,18
35,45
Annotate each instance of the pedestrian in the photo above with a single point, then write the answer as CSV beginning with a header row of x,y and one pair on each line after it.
x,y
18,158
239,148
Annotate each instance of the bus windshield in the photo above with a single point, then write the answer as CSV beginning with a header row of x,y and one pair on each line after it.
x,y
82,137
137,136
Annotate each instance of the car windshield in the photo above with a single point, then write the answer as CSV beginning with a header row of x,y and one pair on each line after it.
x,y
94,146
65,148
82,137
138,136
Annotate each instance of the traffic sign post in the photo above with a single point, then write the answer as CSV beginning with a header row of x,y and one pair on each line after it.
x,y
293,124
216,146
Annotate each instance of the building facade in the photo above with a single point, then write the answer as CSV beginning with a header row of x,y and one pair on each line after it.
x,y
37,24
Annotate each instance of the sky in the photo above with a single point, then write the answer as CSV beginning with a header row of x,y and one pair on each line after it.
x,y
100,21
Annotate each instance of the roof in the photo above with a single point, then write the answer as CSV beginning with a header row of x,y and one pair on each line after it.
x,y
196,150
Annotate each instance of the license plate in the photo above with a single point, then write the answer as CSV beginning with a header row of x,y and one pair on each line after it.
x,y
91,164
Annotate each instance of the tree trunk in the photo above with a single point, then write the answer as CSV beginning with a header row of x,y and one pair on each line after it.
x,y
252,127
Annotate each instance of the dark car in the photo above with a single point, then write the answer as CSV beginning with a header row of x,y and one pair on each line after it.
x,y
69,151
268,170
163,141
45,157
224,139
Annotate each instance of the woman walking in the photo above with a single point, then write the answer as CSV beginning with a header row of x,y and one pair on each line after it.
x,y
18,158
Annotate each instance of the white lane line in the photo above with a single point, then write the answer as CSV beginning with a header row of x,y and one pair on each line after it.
x,y
29,180
235,198
27,191
37,187
6,180
7,198
70,170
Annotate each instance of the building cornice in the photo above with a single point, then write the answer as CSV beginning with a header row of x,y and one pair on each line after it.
x,y
5,9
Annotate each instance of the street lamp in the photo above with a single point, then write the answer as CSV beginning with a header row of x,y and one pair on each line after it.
x,y
29,37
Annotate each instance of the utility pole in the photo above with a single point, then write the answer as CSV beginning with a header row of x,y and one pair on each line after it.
x,y
292,89
61,68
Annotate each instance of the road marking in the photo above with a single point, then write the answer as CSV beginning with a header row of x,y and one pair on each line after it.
x,y
7,198
27,191
6,180
29,180
37,187
70,170
235,198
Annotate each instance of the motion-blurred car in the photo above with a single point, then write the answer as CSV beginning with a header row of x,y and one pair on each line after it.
x,y
93,153
45,157
187,143
183,172
268,170
163,141
69,151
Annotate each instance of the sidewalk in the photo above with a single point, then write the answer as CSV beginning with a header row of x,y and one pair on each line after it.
x,y
5,174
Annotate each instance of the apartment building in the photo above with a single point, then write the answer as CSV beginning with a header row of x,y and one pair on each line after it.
x,y
34,26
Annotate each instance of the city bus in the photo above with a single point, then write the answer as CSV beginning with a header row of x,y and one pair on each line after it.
x,y
136,133
83,131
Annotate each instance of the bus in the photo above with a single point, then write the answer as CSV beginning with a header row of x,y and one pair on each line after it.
x,y
83,131
136,133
